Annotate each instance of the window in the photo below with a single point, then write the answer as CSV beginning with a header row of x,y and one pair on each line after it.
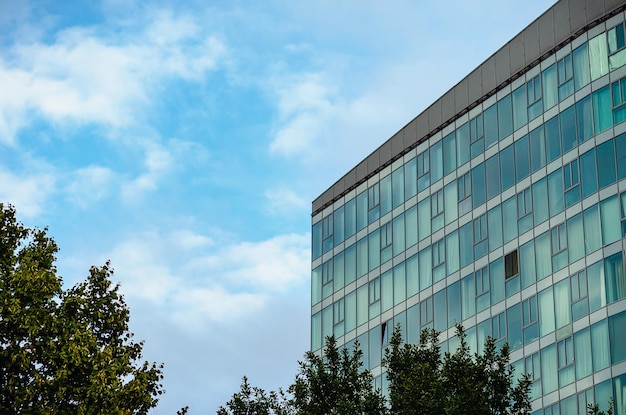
x,y
580,303
533,91
498,328
480,236
436,210
386,241
373,196
481,279
511,264
465,194
565,356
529,319
339,317
423,168
327,278
477,144
374,297
571,177
439,260
565,77
618,95
533,368
558,237
327,233
616,44
524,211
426,312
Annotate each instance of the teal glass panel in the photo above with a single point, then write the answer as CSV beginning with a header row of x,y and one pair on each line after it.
x,y
361,210
410,224
549,378
316,242
399,284
452,252
584,119
327,323
374,249
543,257
494,224
602,109
595,281
568,405
562,303
362,256
617,336
449,153
514,326
423,216
386,291
550,87
605,159
553,139
575,238
619,384
527,261
540,201
375,347
603,392
463,144
492,166
440,314
410,178
505,117
350,263
350,218
350,311
451,202
615,279
436,161
466,244
600,356
538,154
468,295
598,56
454,304
582,75
588,174
509,218
425,268
478,185
507,167
413,324
338,226
620,153
569,138
397,186
490,119
555,192
316,285
338,272
316,331
362,305
592,229
496,278
520,105
610,219
385,195
522,158
412,276
398,235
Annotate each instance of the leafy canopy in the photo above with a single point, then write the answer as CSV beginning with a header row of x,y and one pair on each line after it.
x,y
65,351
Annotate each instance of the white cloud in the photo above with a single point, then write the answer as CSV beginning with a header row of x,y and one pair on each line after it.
x,y
87,76
285,201
90,184
28,193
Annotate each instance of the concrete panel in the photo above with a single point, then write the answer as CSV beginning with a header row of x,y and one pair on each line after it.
x,y
503,65
577,15
561,21
594,9
447,106
434,115
461,100
488,73
531,42
546,31
384,152
475,85
516,54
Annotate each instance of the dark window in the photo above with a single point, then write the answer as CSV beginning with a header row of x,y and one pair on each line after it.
x,y
511,264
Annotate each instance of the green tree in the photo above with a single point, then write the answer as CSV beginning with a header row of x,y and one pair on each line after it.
x,y
424,381
255,401
65,351
335,384
594,409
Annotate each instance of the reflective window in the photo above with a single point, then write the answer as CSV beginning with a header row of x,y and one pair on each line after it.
x,y
565,77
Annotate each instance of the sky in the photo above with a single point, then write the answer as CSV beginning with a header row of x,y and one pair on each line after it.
x,y
185,142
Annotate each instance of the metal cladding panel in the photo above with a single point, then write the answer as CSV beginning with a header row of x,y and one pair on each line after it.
x,y
475,85
317,203
561,21
373,162
397,144
461,93
503,65
488,74
410,133
531,42
516,52
612,4
448,109
350,178
384,153
546,31
422,126
577,14
434,115
361,171
594,10
340,186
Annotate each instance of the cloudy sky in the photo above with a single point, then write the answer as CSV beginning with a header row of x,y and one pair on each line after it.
x,y
185,141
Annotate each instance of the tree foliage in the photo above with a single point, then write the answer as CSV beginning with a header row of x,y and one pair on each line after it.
x,y
424,381
255,401
65,351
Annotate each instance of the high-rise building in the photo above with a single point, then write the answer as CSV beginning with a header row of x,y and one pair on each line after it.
x,y
502,206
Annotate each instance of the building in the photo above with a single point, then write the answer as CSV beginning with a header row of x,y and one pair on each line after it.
x,y
501,206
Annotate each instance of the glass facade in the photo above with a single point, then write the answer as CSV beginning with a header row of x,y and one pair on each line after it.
x,y
511,221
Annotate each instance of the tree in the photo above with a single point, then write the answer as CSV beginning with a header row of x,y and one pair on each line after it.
x,y
594,409
423,381
65,351
255,401
335,384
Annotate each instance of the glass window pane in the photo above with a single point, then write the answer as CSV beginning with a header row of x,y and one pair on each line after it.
x,y
588,173
505,117
537,148
350,264
522,158
514,326
610,218
605,157
490,119
507,167
582,75
549,369
492,166
350,218
546,311
454,304
615,279
593,234
385,195
575,238
478,185
412,280
361,210
451,202
598,56
423,212
527,259
600,345
540,201
410,178
602,112
543,259
463,144
553,138
449,153
617,336
555,192
509,218
568,129
584,119
316,243
550,87
397,185
494,219
520,105
436,161
426,269
620,147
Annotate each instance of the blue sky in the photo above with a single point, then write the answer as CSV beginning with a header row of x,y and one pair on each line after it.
x,y
185,141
